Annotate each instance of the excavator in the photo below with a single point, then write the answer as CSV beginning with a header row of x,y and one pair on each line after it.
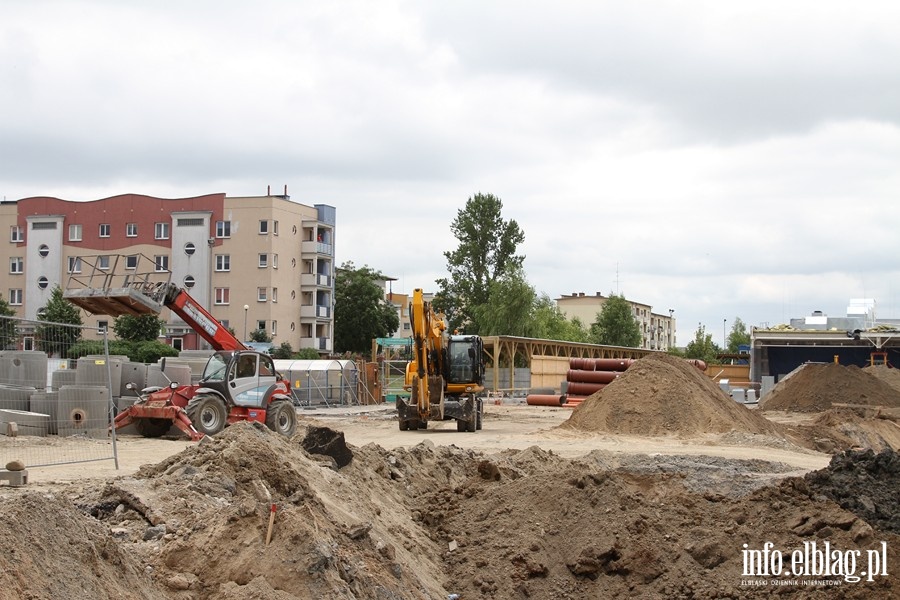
x,y
238,384
445,376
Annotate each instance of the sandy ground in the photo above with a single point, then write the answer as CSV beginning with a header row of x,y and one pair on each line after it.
x,y
507,426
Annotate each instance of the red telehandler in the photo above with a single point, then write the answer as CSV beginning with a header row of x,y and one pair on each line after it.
x,y
238,384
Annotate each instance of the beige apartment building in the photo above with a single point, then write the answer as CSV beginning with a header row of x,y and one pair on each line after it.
x,y
255,262
657,330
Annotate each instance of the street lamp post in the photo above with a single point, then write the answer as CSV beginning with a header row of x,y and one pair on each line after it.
x,y
724,337
246,308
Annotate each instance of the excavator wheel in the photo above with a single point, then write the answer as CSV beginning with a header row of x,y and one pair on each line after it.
x,y
404,425
207,413
282,418
152,428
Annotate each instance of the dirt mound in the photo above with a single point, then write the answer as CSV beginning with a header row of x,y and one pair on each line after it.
x,y
889,375
865,483
52,550
664,395
816,387
423,522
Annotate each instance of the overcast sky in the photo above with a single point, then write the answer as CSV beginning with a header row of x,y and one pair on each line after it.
x,y
720,159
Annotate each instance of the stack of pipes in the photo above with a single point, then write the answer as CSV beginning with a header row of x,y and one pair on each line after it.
x,y
589,375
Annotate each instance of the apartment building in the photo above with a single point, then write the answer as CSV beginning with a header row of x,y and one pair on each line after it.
x,y
657,330
255,262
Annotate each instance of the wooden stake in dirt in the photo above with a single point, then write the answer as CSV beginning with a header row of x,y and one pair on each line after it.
x,y
271,524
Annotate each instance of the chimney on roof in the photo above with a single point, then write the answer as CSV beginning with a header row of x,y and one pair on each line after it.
x,y
268,190
285,190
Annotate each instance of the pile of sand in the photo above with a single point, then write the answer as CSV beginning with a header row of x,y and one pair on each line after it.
x,y
816,387
889,375
664,395
423,522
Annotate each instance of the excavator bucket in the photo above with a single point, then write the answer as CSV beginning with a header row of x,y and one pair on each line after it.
x,y
116,285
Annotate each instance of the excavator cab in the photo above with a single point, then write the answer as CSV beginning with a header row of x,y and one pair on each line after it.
x,y
464,364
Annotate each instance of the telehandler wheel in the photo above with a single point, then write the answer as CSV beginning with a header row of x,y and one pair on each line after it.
x,y
152,428
282,418
207,413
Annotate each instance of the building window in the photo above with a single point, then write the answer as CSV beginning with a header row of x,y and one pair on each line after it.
x,y
196,222
16,264
103,262
263,227
131,230
263,261
274,227
274,294
43,282
293,326
190,248
223,295
274,261
43,250
189,281
104,229
261,325
261,294
274,327
223,229
74,264
161,262
16,234
161,231
74,233
44,225
131,261
15,297
101,326
223,262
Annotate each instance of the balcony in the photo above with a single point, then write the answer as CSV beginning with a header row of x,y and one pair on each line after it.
x,y
317,248
315,312
315,280
320,344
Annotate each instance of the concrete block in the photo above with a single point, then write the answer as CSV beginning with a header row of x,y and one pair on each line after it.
x,y
15,397
47,403
62,377
27,423
15,478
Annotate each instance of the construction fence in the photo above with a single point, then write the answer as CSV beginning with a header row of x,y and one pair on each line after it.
x,y
55,409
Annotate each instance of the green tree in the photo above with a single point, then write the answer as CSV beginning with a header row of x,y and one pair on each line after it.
x,y
9,338
738,336
509,309
284,351
307,354
144,328
360,311
549,323
615,324
486,248
260,336
61,324
702,346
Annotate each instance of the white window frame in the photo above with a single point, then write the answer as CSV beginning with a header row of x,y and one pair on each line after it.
x,y
161,263
103,262
15,297
131,258
105,230
161,230
261,294
75,232
263,261
16,265
274,294
223,263
274,227
131,230
223,296
74,264
16,234
263,227
223,229
274,327
274,261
